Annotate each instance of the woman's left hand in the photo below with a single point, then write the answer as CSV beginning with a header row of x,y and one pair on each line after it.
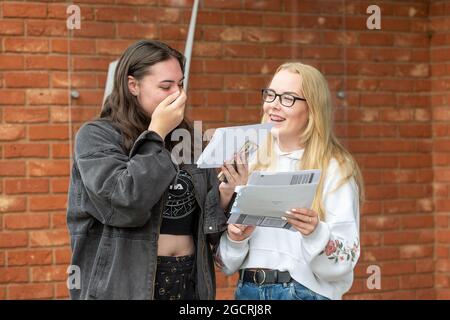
x,y
304,220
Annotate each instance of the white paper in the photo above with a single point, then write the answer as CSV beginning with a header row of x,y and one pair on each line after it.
x,y
268,196
230,140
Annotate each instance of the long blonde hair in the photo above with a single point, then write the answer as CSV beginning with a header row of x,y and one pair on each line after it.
x,y
318,138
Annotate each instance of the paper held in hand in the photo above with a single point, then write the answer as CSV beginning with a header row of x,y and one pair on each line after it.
x,y
228,141
267,196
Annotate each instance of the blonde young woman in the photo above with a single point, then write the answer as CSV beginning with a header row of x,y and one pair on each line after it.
x,y
317,260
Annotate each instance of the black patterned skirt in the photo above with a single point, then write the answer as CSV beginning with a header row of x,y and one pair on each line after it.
x,y
174,278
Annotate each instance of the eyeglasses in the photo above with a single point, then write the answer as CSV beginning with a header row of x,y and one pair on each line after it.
x,y
286,99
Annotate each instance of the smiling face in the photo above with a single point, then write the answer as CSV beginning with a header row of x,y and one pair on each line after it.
x,y
289,122
164,78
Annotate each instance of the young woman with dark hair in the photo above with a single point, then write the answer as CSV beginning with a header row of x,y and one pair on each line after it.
x,y
142,226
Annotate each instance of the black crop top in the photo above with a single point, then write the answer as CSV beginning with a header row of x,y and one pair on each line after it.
x,y
181,207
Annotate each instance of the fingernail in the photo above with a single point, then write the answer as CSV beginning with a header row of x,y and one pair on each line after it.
x,y
288,212
283,218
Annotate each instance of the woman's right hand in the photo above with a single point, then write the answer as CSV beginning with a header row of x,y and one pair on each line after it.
x,y
239,232
235,177
168,114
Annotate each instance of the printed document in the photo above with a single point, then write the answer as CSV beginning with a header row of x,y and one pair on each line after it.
x,y
267,196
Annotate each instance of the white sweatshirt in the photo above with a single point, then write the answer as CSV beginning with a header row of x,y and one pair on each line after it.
x,y
324,260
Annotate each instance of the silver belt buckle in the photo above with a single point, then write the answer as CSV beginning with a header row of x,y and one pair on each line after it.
x,y
264,277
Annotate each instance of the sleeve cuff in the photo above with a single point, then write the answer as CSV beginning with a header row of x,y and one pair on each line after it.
x,y
237,246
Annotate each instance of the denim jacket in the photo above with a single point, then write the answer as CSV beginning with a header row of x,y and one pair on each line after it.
x,y
115,212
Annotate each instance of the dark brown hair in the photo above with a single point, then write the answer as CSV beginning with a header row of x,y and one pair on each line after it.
x,y
121,107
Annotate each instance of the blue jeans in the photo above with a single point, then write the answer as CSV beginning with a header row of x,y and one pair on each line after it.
x,y
278,291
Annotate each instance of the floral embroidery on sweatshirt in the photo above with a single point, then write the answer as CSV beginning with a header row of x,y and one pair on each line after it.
x,y
335,250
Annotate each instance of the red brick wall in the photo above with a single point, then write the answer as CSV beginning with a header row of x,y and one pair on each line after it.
x,y
386,118
440,98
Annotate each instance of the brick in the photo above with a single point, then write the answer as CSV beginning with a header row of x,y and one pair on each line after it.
x,y
26,115
207,49
12,168
209,18
63,256
79,46
112,47
398,268
47,97
375,39
415,251
303,37
205,82
79,114
247,115
247,83
11,62
138,2
49,28
224,66
61,291
262,36
61,80
29,257
266,5
379,254
162,15
425,266
60,150
48,273
206,115
24,10
90,64
59,220
96,30
26,150
242,19
416,281
222,34
25,186
417,222
443,266
60,185
381,223
221,4
12,204
53,132
13,275
381,192
13,239
28,45
408,237
12,97
116,14
214,98
48,203
443,236
137,30
90,98
34,221
242,50
10,132
49,238
31,291
49,168
11,27
48,62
